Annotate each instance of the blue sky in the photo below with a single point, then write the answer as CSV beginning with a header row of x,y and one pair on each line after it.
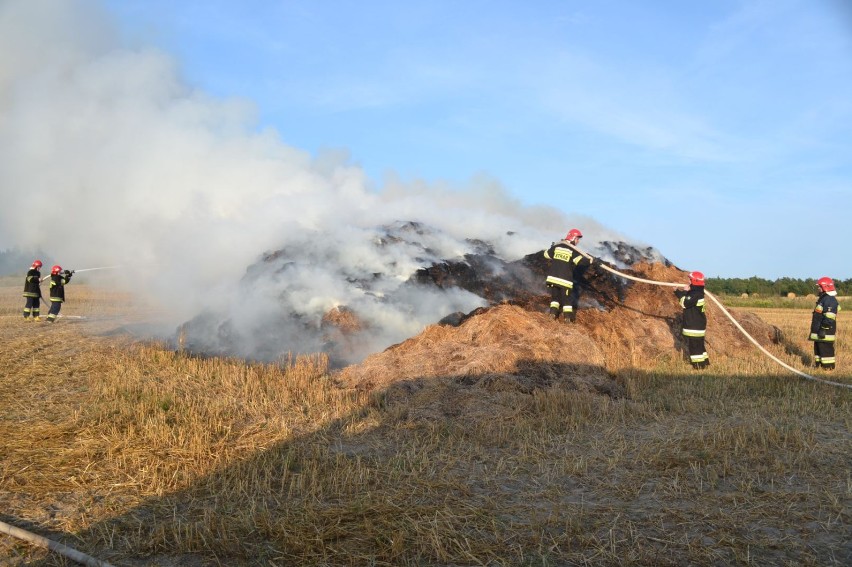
x,y
719,132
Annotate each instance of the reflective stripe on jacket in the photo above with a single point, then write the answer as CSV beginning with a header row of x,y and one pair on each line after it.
x,y
694,317
564,261
31,288
824,318
57,287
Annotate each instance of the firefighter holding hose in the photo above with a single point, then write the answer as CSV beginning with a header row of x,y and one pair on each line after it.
x,y
566,263
824,324
694,320
32,292
58,280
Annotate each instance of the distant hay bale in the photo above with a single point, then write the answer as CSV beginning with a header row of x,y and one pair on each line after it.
x,y
744,295
791,295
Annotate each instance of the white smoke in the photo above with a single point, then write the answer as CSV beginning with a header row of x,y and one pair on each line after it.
x,y
110,158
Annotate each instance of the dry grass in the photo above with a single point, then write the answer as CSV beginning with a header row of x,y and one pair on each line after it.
x,y
143,456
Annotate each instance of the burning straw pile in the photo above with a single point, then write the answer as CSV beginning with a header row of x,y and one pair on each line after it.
x,y
520,348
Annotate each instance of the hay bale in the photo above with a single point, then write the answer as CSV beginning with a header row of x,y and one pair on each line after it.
x,y
791,295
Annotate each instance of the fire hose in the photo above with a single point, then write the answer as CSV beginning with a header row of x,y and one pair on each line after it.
x,y
722,308
60,548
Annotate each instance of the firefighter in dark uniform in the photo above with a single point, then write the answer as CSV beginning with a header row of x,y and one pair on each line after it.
x,y
694,320
824,324
564,295
58,279
32,292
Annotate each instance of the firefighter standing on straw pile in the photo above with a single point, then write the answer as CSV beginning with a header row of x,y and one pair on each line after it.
x,y
694,320
58,279
565,260
824,324
32,292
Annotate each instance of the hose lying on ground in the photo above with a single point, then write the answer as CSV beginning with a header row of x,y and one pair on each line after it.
x,y
60,548
727,314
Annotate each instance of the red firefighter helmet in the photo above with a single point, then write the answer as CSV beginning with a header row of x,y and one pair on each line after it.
x,y
56,270
696,278
572,234
825,284
37,264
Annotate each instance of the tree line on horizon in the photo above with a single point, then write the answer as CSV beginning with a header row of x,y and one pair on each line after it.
x,y
780,287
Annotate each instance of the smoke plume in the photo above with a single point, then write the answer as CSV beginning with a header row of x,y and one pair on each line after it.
x,y
110,158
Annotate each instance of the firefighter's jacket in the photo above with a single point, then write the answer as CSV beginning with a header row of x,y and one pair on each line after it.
x,y
694,317
31,288
824,318
564,261
57,286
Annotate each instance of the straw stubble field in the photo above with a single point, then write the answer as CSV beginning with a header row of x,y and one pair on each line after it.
x,y
143,456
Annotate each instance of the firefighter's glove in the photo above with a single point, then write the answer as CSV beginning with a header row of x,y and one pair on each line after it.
x,y
821,334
